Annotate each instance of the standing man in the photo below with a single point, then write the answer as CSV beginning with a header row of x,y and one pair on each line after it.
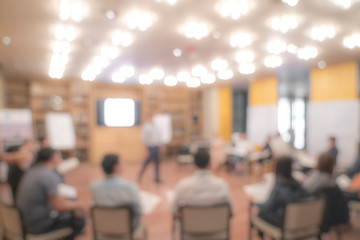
x,y
151,136
332,147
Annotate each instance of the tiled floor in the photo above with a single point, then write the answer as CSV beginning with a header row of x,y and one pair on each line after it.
x,y
159,221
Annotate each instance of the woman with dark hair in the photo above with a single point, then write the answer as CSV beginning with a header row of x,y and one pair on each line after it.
x,y
286,190
322,176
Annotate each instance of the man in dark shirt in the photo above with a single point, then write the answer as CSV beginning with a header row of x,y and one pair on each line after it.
x,y
43,209
332,147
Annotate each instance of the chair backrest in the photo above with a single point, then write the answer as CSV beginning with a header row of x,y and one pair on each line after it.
x,y
11,220
304,214
115,221
205,220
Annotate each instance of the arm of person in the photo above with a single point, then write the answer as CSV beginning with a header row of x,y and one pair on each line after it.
x,y
61,204
270,203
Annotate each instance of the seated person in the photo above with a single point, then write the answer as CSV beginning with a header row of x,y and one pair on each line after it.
x,y
267,148
332,147
286,190
354,169
322,176
202,188
25,158
38,199
114,191
242,148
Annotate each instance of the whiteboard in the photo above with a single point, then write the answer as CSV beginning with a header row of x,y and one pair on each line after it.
x,y
60,130
163,123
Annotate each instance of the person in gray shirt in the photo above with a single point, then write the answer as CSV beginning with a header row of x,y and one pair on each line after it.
x,y
114,191
40,204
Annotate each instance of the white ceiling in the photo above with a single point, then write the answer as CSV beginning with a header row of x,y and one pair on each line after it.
x,y
31,26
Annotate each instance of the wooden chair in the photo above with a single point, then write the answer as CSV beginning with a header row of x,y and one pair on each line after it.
x,y
13,227
302,220
116,223
203,223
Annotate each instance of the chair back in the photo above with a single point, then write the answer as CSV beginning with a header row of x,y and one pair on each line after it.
x,y
303,215
205,220
11,219
112,221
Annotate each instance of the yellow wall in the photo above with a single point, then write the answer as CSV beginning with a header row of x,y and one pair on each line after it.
x,y
225,112
264,91
338,82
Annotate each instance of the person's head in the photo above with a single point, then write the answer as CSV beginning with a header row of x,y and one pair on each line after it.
x,y
284,167
44,142
332,141
48,156
111,164
243,136
326,163
202,159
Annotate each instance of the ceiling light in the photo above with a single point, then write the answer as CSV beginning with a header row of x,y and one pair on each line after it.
x,y
225,74
137,19
63,33
291,3
183,76
273,61
219,64
322,64
307,53
199,71
127,71
244,56
101,62
197,30
276,47
87,76
177,52
145,79
118,77
73,9
352,41
122,38
193,83
233,9
284,23
208,78
344,4
323,32
240,40
171,2
109,52
170,81
291,48
110,14
6,40
247,68
157,73
61,47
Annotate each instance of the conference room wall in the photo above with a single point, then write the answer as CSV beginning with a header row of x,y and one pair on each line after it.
x,y
262,109
225,112
334,109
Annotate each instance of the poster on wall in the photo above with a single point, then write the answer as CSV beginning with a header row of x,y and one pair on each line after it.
x,y
15,126
163,122
60,130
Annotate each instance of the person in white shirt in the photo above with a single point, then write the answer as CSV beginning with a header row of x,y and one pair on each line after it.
x,y
151,136
202,188
242,149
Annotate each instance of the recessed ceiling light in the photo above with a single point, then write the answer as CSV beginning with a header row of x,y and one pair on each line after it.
x,y
199,71
183,76
284,23
219,64
157,73
127,71
225,74
197,30
291,3
344,4
73,10
323,32
273,61
276,47
322,64
137,19
307,53
118,77
193,83
7,40
247,68
170,81
352,41
233,9
240,40
177,52
208,78
145,79
291,48
110,14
